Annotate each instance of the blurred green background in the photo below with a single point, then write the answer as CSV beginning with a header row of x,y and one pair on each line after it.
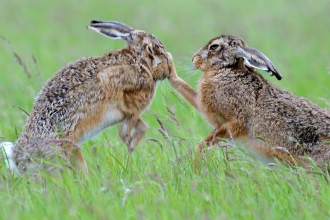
x,y
38,37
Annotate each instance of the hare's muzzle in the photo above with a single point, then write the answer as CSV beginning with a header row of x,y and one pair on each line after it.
x,y
169,56
196,60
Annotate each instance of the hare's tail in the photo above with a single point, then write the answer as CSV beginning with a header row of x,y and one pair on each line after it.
x,y
7,149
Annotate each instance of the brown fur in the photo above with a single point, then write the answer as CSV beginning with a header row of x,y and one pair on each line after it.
x,y
237,101
94,92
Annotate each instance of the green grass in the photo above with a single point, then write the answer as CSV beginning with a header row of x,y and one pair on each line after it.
x,y
157,181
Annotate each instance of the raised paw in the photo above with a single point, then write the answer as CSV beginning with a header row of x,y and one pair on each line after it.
x,y
126,138
130,148
132,145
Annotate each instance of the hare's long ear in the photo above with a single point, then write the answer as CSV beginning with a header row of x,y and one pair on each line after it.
x,y
256,59
112,29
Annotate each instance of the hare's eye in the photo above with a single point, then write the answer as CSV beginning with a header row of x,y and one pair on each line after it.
x,y
214,47
150,49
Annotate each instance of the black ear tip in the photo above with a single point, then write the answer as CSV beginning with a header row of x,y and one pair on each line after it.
x,y
279,77
95,22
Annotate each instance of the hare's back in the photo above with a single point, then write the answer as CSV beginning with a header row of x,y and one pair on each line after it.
x,y
291,118
67,97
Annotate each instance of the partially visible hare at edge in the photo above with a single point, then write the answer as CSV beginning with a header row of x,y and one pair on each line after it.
x,y
89,95
239,103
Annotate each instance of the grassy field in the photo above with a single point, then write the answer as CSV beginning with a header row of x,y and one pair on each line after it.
x,y
156,181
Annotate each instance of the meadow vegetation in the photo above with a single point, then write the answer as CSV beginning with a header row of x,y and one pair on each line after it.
x,y
157,181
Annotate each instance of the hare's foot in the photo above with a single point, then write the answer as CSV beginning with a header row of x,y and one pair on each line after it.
x,y
209,140
140,130
79,161
199,154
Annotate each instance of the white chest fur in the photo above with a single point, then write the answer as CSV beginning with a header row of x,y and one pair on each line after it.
x,y
111,116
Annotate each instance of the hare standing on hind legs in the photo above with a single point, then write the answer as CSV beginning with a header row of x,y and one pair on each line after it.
x,y
238,102
91,94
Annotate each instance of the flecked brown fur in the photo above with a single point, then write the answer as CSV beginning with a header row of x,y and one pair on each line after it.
x,y
90,94
237,101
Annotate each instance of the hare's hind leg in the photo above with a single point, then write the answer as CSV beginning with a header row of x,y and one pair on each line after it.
x,y
140,129
266,150
76,158
80,161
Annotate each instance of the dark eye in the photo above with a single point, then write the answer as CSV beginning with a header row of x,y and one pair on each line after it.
x,y
214,47
149,49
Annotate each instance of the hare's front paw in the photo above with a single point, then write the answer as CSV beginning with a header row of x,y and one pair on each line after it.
x,y
131,147
126,138
171,67
169,58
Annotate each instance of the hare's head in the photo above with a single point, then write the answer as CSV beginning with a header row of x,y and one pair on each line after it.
x,y
225,51
144,47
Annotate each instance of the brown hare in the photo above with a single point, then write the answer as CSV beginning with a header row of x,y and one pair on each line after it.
x,y
240,103
89,95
